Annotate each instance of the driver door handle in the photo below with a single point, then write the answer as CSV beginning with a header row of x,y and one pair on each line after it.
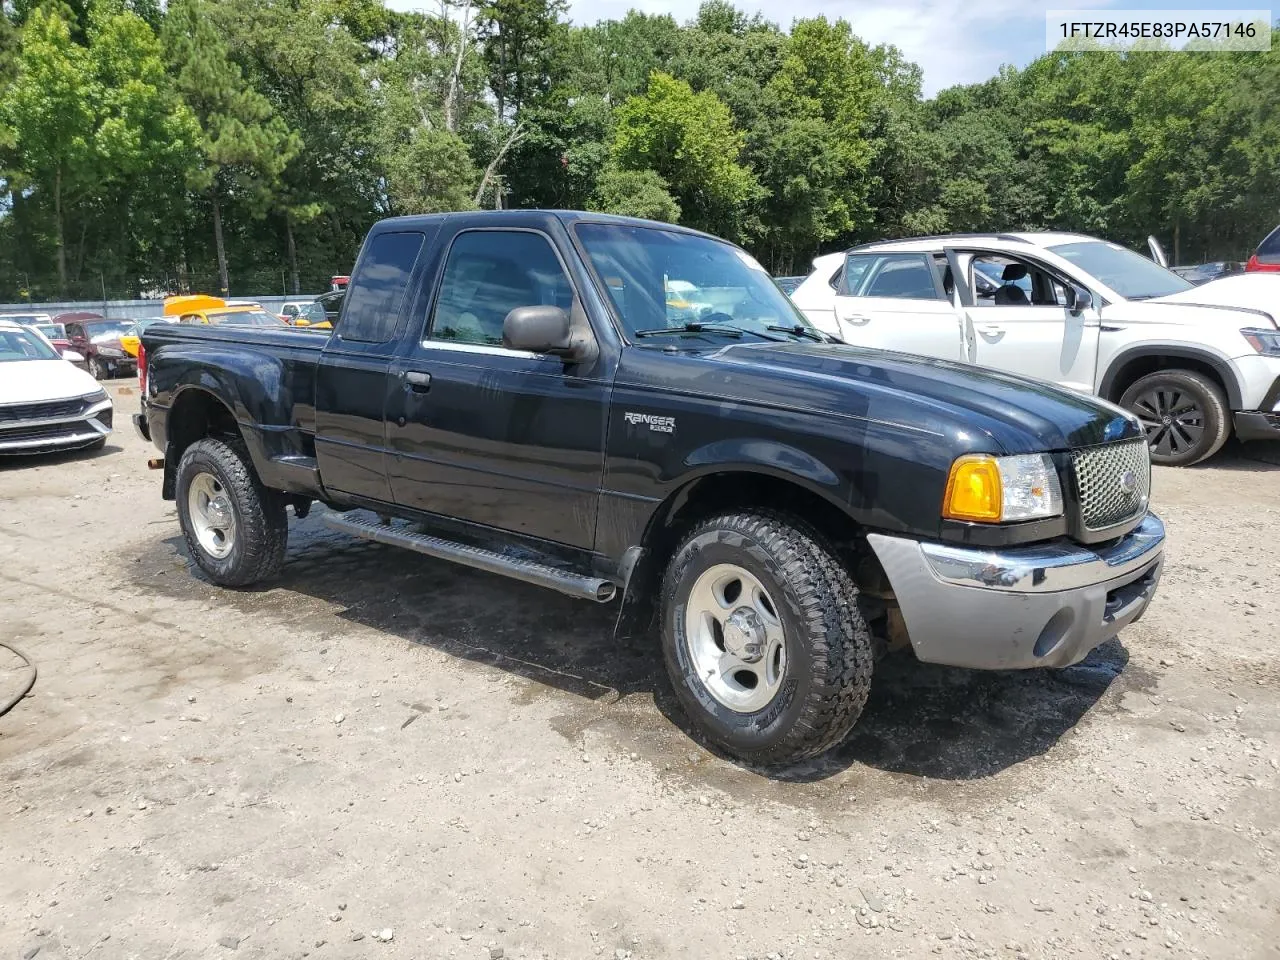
x,y
991,330
856,319
419,381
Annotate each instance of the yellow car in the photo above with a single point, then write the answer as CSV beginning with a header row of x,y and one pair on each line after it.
x,y
201,309
131,339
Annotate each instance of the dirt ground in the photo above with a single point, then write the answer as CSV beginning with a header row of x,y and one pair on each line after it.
x,y
386,756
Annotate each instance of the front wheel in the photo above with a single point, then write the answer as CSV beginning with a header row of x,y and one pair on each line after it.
x,y
763,639
96,369
236,529
1183,413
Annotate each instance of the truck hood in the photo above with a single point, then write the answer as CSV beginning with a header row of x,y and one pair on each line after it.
x,y
981,409
1246,300
34,381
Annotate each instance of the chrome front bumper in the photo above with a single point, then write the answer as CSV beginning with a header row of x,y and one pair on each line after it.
x,y
1039,606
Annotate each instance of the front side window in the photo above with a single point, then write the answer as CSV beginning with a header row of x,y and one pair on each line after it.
x,y
488,274
377,291
899,276
24,345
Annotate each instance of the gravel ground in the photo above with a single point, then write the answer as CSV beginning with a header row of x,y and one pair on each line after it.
x,y
386,756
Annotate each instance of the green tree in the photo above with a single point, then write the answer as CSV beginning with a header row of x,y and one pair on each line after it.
x,y
689,140
243,146
517,41
51,112
634,193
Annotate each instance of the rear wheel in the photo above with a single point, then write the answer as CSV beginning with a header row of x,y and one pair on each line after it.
x,y
1184,414
763,640
236,529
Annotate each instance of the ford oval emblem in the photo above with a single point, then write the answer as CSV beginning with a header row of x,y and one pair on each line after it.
x,y
1128,482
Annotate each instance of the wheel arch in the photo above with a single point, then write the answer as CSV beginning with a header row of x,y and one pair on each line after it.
x,y
1130,365
723,488
196,413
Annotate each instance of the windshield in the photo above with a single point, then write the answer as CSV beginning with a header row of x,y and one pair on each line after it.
x,y
1129,274
660,280
246,318
24,345
106,330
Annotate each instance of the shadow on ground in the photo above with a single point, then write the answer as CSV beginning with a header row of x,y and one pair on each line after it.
x,y
921,720
21,461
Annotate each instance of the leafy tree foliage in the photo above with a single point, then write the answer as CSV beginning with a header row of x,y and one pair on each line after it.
x,y
150,147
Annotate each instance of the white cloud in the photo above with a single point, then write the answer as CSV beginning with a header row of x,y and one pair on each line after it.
x,y
954,41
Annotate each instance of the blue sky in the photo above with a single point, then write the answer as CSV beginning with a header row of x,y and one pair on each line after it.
x,y
954,41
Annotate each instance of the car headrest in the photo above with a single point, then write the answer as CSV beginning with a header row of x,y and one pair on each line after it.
x,y
1013,272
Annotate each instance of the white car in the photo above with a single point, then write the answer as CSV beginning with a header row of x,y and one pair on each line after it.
x,y
1194,363
46,403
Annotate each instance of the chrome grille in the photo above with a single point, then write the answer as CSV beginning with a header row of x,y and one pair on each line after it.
x,y
1114,481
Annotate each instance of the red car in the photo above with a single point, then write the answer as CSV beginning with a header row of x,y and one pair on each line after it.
x,y
1267,257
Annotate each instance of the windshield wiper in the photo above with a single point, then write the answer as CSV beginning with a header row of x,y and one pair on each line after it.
x,y
693,326
800,330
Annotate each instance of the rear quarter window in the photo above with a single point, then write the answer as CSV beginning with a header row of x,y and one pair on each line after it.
x,y
375,295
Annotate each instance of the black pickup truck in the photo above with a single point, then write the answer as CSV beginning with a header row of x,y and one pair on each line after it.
x,y
620,409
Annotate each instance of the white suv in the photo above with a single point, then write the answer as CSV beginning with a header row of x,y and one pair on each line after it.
x,y
1193,363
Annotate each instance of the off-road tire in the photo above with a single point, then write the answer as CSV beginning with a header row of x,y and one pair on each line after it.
x,y
262,526
1209,400
830,651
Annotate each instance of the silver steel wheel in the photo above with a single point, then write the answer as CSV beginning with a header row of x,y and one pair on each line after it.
x,y
213,518
734,638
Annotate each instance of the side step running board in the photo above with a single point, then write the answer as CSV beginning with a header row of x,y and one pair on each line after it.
x,y
582,588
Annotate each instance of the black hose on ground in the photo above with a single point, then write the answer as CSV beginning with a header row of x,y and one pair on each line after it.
x,y
8,705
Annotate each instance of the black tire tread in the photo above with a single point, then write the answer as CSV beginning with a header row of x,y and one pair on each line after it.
x,y
840,645
1217,415
263,522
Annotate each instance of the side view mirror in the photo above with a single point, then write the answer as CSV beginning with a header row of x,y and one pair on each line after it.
x,y
1078,299
542,329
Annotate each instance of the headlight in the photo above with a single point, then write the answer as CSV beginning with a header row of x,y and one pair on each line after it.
x,y
1264,341
96,397
111,351
1002,489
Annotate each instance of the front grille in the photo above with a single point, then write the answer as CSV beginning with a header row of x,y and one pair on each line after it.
x,y
52,410
1114,482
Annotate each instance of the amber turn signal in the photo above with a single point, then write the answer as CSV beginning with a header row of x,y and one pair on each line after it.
x,y
974,490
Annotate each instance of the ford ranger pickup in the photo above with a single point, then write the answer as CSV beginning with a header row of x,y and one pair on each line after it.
x,y
632,412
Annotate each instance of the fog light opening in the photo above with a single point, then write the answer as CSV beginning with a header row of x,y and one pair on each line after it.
x,y
1054,632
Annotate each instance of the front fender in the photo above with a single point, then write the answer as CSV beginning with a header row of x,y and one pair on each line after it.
x,y
761,455
1113,366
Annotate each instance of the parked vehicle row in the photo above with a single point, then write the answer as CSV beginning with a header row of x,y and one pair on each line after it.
x,y
633,411
1194,363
